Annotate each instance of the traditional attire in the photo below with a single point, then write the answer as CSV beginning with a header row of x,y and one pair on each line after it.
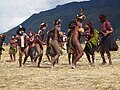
x,y
91,41
13,46
39,39
32,48
107,43
69,44
1,44
49,50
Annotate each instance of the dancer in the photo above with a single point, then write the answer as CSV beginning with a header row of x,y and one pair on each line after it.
x,y
107,42
22,39
40,42
91,37
55,41
13,48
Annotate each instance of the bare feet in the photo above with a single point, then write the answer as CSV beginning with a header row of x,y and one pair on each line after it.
x,y
38,66
52,67
73,66
110,63
103,63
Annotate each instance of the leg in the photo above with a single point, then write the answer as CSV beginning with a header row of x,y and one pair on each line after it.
x,y
25,59
56,49
35,59
109,57
20,58
31,57
40,58
69,56
48,57
103,58
0,53
48,54
73,55
93,57
88,57
52,62
14,56
38,51
26,54
57,61
79,53
11,57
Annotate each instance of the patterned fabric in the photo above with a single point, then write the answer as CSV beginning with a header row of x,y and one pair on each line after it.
x,y
106,26
13,42
107,43
32,51
92,43
25,40
12,50
69,44
31,41
95,38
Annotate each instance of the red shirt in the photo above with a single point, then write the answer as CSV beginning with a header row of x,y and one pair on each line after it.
x,y
106,26
13,42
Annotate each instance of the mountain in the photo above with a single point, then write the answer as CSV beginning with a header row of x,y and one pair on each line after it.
x,y
67,12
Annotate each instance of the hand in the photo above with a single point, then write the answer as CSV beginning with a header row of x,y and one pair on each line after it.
x,y
43,43
105,34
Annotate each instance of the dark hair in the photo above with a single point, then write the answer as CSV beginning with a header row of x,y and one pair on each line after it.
x,y
91,26
20,29
14,35
72,24
43,25
102,17
57,21
79,19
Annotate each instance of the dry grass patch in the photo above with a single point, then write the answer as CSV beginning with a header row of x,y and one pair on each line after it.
x,y
85,77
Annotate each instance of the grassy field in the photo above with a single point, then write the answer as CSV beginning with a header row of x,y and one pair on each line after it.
x,y
85,77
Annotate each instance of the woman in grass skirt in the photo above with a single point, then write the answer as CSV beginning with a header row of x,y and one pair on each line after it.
x,y
107,42
13,48
70,50
91,37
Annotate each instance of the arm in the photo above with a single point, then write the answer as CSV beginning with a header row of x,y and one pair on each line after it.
x,y
109,29
40,41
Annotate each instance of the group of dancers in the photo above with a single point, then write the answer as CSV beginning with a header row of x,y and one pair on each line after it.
x,y
32,44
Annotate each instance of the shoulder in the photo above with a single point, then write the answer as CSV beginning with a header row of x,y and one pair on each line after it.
x,y
107,22
36,35
39,31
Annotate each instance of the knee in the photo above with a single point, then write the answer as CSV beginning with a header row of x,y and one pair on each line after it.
x,y
58,54
108,54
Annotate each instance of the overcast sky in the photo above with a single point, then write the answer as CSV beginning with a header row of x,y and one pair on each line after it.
x,y
14,12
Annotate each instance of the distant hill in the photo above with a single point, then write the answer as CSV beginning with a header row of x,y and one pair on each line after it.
x,y
67,12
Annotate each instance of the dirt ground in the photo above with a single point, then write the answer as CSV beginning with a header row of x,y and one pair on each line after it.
x,y
85,77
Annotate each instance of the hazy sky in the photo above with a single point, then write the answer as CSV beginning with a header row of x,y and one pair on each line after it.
x,y
14,12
